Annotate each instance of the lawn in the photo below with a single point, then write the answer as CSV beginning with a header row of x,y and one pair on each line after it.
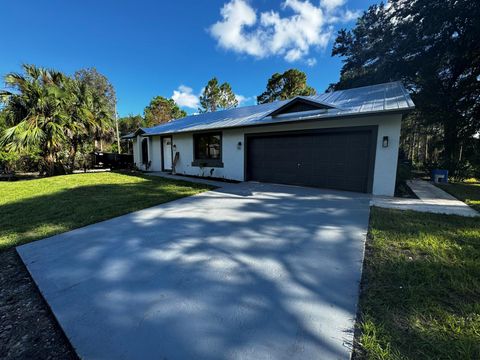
x,y
420,287
468,192
34,209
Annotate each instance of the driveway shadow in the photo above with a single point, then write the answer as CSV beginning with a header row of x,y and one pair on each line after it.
x,y
248,271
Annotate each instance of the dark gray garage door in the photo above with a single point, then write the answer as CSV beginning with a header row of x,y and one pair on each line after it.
x,y
334,159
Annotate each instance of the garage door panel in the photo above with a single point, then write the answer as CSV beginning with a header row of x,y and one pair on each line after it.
x,y
340,160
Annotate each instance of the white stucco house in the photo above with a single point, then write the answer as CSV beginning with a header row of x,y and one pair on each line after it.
x,y
346,140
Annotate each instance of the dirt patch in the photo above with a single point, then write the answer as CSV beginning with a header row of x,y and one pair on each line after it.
x,y
28,329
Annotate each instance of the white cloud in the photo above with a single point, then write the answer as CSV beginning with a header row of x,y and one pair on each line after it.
x,y
343,16
311,61
331,4
244,31
185,97
242,100
236,15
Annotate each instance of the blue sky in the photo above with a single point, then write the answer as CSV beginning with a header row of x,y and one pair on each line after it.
x,y
172,48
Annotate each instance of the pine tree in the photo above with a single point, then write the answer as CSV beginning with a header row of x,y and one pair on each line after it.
x,y
284,86
217,97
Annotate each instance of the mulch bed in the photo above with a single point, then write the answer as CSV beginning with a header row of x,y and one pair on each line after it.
x,y
28,329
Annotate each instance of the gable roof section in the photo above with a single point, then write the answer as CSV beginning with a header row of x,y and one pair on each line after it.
x,y
300,104
381,98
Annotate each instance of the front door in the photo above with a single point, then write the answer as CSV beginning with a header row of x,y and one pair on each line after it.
x,y
167,154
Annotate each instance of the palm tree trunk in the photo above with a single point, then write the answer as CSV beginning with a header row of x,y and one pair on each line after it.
x,y
71,156
50,164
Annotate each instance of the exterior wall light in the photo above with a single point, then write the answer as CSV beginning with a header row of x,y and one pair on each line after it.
x,y
239,145
385,142
174,147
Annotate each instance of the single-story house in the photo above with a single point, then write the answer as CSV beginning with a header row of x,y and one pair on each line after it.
x,y
346,140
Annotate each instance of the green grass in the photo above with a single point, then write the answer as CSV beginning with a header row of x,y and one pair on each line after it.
x,y
420,288
34,209
468,192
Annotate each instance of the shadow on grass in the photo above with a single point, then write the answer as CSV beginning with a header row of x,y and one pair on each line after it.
x,y
41,216
469,193
420,287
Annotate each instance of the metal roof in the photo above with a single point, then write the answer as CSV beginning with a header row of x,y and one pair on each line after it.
x,y
388,97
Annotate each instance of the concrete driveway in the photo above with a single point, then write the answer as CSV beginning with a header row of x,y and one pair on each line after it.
x,y
249,271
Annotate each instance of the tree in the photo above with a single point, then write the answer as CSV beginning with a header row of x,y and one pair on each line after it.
x,y
90,116
100,85
284,86
3,119
53,114
104,93
432,46
161,110
217,97
130,124
34,112
127,125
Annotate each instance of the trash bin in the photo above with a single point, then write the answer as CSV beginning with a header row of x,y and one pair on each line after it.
x,y
440,176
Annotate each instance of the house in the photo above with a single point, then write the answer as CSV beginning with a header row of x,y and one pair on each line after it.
x,y
346,140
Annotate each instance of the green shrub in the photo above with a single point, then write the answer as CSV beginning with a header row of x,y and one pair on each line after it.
x,y
463,171
19,162
8,161
404,173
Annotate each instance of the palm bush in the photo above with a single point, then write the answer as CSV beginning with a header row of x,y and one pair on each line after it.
x,y
49,111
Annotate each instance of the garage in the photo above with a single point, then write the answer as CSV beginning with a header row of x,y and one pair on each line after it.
x,y
341,159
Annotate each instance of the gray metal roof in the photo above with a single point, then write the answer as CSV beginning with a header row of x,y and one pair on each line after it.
x,y
389,97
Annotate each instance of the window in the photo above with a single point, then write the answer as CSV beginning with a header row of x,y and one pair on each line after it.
x,y
207,150
145,151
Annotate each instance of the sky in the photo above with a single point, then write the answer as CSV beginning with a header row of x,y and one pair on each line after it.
x,y
172,48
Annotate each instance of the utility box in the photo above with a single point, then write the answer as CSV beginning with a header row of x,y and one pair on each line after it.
x,y
440,176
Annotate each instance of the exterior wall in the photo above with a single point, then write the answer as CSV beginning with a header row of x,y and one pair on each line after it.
x,y
233,156
154,155
137,151
386,159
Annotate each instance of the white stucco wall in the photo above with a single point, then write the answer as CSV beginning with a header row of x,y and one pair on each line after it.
x,y
233,157
154,153
137,151
386,159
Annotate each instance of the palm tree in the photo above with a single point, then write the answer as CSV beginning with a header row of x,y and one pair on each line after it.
x,y
81,121
35,110
104,119
90,117
55,113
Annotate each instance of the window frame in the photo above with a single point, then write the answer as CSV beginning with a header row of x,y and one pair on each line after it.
x,y
207,162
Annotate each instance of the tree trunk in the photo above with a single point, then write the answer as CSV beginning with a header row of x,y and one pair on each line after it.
x,y
71,156
450,141
412,149
426,148
50,164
